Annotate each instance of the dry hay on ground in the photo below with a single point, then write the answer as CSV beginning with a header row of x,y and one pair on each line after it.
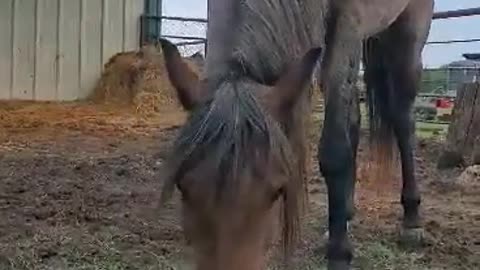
x,y
138,79
38,121
470,177
133,84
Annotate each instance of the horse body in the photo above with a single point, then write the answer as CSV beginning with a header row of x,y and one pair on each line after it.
x,y
244,146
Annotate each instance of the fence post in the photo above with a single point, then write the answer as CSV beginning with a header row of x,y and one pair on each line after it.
x,y
159,12
206,34
153,28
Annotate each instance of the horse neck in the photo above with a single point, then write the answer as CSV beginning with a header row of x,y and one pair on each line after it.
x,y
273,33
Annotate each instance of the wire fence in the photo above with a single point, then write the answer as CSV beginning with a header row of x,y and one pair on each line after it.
x,y
189,34
438,84
446,80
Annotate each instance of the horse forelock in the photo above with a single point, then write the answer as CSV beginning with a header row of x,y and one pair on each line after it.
x,y
225,130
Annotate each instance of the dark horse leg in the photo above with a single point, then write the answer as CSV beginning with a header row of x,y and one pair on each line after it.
x,y
354,130
337,147
393,72
353,126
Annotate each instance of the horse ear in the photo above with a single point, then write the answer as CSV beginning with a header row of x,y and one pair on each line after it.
x,y
291,84
197,55
183,79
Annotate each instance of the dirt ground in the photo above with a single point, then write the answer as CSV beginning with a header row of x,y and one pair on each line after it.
x,y
79,186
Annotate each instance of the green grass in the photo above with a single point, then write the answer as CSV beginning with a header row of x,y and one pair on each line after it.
x,y
423,129
374,255
430,130
381,255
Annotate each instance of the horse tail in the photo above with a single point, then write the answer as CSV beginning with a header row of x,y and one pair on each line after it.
x,y
379,86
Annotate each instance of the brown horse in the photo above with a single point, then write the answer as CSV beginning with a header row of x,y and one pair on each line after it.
x,y
243,147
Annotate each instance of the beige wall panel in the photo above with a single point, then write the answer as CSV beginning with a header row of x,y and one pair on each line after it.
x,y
69,50
133,10
6,50
46,61
55,49
24,49
90,45
113,13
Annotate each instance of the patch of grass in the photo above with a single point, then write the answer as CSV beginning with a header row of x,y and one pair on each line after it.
x,y
72,258
108,259
431,126
32,256
423,130
430,130
72,249
314,264
375,255
380,255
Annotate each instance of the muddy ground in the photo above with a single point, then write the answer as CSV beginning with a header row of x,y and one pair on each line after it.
x,y
82,194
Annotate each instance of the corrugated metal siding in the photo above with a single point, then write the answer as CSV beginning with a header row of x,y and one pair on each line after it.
x,y
56,49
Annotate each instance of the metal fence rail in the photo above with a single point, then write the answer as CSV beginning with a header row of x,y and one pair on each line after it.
x,y
189,34
456,13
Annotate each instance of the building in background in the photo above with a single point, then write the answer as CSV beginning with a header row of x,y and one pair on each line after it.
x,y
55,50
463,71
472,56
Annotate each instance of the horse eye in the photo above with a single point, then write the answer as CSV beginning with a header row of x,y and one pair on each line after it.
x,y
279,192
183,192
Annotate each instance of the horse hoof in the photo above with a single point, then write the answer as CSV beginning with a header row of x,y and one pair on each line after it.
x,y
412,237
338,265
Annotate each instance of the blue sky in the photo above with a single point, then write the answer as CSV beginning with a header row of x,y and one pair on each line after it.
x,y
434,55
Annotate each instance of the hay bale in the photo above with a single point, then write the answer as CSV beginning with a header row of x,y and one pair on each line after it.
x,y
138,79
147,103
115,84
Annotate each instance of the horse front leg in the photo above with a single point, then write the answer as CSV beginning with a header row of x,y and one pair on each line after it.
x,y
405,40
407,73
338,143
354,129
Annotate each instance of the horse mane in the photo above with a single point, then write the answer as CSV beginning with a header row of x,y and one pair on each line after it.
x,y
272,33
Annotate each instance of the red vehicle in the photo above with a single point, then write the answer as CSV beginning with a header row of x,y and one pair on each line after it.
x,y
444,103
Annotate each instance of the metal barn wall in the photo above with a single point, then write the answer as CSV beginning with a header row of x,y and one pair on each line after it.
x,y
56,49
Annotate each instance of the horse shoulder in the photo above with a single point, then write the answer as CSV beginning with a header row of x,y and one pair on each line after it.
x,y
368,16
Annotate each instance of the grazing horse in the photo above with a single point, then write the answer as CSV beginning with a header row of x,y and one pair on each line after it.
x,y
243,147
